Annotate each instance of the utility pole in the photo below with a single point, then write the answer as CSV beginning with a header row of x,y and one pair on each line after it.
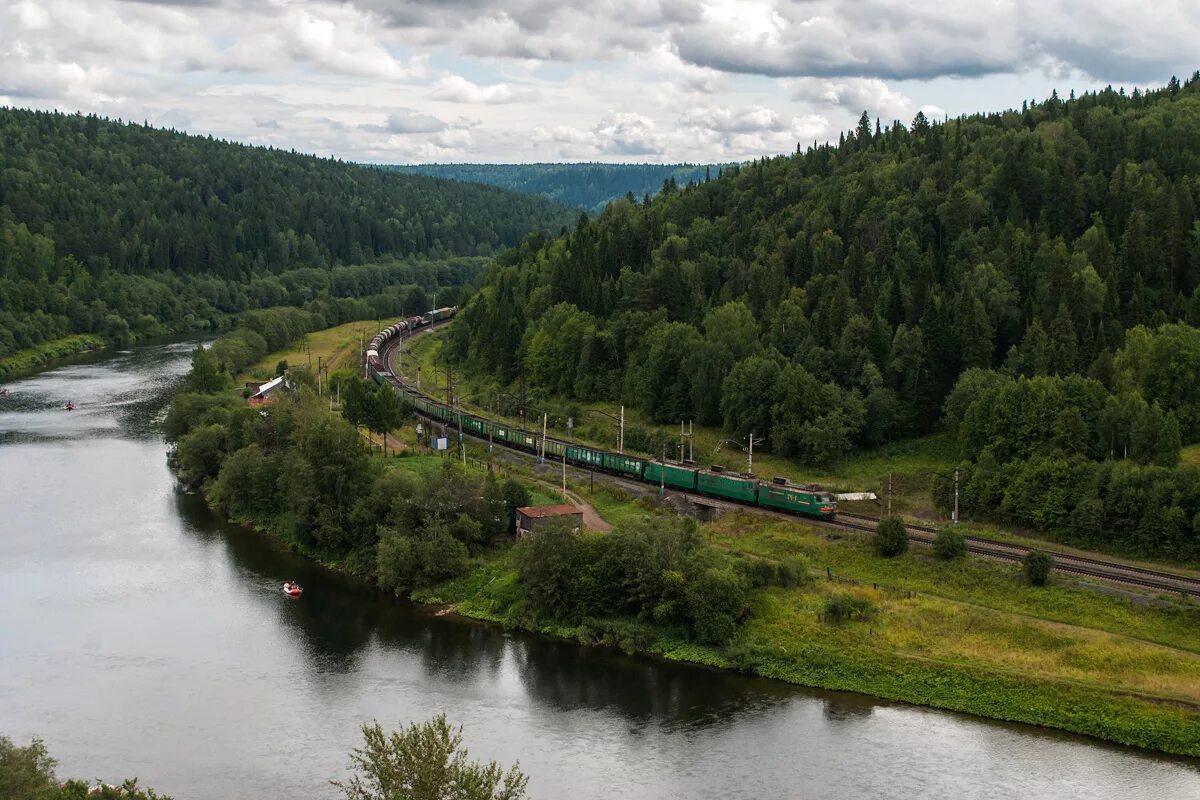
x,y
319,376
889,494
545,418
522,398
564,475
662,471
955,517
361,354
621,434
680,441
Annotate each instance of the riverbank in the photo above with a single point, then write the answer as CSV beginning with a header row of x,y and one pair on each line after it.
x,y
34,358
1055,658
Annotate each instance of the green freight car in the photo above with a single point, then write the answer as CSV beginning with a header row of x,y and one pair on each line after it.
x,y
584,455
673,475
729,487
623,464
807,500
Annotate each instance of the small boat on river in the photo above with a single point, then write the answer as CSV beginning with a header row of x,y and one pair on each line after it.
x,y
292,589
4,392
69,406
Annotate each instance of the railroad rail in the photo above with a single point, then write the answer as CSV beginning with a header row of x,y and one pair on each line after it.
x,y
1111,571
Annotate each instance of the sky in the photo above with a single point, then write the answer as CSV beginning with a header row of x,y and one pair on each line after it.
x,y
701,81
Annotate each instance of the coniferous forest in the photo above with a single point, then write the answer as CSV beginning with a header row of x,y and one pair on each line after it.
x,y
128,231
1029,279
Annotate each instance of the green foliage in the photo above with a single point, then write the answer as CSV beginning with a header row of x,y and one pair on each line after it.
x,y
891,537
208,376
33,357
199,454
1036,566
281,367
848,607
406,561
652,570
27,773
949,544
425,761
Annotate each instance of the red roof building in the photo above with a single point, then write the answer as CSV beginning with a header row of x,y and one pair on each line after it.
x,y
529,517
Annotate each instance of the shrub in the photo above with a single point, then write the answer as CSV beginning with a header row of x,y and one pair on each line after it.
x,y
891,537
1037,566
949,544
843,607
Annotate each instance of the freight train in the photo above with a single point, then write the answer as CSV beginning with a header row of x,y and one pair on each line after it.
x,y
777,494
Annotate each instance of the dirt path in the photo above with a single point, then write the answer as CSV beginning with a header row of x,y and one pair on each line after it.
x,y
591,518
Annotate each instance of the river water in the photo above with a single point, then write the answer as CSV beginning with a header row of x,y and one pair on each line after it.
x,y
140,635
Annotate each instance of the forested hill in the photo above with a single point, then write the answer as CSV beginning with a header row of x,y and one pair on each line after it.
x,y
586,186
141,199
832,299
128,231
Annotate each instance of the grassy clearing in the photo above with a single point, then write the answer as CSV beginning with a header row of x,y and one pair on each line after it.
x,y
972,581
336,347
35,357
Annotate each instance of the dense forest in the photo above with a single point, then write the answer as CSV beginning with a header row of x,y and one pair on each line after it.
x,y
1046,261
587,186
126,230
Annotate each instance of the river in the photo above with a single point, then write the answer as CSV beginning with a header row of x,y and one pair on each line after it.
x,y
139,635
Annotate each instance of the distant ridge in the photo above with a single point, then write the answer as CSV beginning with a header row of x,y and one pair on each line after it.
x,y
589,186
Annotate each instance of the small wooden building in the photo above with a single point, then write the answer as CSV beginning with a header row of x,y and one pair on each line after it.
x,y
529,517
266,392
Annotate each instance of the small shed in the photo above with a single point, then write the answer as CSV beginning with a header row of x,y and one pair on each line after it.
x,y
529,517
265,392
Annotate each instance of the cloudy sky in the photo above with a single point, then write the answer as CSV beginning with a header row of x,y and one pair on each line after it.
x,y
570,80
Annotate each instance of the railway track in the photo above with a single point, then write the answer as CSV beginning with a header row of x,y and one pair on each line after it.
x,y
1063,562
1112,571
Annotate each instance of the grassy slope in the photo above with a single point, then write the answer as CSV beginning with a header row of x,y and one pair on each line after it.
x,y
336,347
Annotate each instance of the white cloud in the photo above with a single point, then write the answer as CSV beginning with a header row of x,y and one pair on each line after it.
x,y
855,95
701,80
405,120
456,89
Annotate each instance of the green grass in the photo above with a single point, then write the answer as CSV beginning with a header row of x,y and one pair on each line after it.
x,y
335,347
34,357
1190,456
969,580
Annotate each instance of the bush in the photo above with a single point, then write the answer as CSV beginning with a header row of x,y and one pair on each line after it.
x,y
842,607
1037,566
949,544
891,537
